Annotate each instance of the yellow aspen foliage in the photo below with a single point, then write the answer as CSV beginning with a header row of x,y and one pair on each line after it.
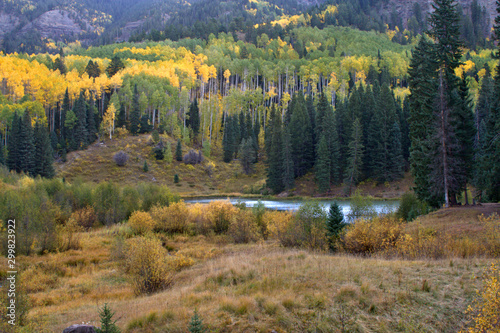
x,y
227,75
218,215
108,120
171,219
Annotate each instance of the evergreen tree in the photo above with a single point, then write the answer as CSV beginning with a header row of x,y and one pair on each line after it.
x,y
91,128
246,155
288,173
331,134
114,66
13,144
311,111
178,151
145,167
356,150
445,29
43,152
334,225
196,324
227,141
135,115
60,65
145,125
80,134
194,117
275,161
268,137
66,107
423,86
108,325
2,156
93,69
323,165
243,128
395,165
26,145
301,134
236,134
320,114
121,120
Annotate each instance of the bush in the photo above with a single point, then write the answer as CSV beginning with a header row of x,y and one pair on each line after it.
x,y
85,217
485,310
278,224
193,157
243,228
176,179
361,207
218,214
120,158
145,167
68,236
368,236
410,207
308,227
141,223
146,262
172,219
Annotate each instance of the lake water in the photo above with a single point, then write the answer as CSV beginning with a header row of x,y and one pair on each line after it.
x,y
293,205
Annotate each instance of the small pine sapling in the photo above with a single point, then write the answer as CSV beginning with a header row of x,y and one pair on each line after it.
x,y
196,323
108,325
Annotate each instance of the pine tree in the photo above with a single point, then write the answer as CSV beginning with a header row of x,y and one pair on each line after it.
x,y
121,120
135,115
311,111
196,324
108,325
80,134
227,141
423,87
445,29
12,161
26,145
288,173
178,151
114,66
93,69
268,137
301,133
194,117
43,152
323,165
395,165
145,167
356,150
91,128
2,156
334,225
246,155
66,107
275,160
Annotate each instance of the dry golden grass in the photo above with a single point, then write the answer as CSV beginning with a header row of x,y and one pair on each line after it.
x,y
96,164
254,288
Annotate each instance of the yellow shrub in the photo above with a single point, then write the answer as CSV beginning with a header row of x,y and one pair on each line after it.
x,y
492,232
179,261
243,228
485,311
277,223
367,236
197,216
146,261
172,219
219,214
141,222
85,217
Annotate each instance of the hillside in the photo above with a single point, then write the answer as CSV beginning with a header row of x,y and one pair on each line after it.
x,y
212,177
31,26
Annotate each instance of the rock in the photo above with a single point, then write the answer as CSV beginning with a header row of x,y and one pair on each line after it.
x,y
80,329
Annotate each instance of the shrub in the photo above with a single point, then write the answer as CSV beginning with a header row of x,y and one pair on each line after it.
x,y
146,262
68,236
120,158
485,310
158,152
193,157
243,228
141,222
155,136
361,207
172,219
197,215
258,211
278,224
308,227
145,167
368,236
218,214
168,152
85,217
492,233
176,179
410,207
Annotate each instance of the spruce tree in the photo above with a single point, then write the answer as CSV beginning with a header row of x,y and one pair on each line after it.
x,y
91,128
80,134
334,225
114,66
121,120
330,131
196,324
287,158
26,145
66,107
246,155
311,111
322,165
194,117
135,115
355,156
268,135
301,133
12,161
275,161
227,141
108,325
178,151
2,156
43,152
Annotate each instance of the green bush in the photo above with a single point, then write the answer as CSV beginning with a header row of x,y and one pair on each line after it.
x,y
361,207
410,207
